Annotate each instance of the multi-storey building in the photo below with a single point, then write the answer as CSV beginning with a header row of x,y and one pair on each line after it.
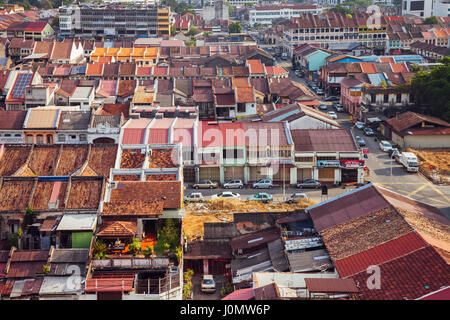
x,y
331,27
115,21
265,15
421,8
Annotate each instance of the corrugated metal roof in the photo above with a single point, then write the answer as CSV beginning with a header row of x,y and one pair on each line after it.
x,y
378,255
39,118
58,285
331,285
348,206
134,132
70,255
77,222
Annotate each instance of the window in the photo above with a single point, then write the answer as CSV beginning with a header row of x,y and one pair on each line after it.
x,y
303,159
29,138
39,139
61,138
83,137
373,98
399,98
386,98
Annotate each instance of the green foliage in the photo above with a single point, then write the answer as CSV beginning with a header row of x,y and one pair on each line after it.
x,y
230,8
13,240
180,8
179,253
226,289
29,216
193,31
168,238
431,20
150,251
99,250
173,30
432,89
234,27
187,287
55,22
134,247
45,268
341,9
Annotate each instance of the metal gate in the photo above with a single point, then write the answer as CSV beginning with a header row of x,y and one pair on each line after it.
x,y
210,173
234,173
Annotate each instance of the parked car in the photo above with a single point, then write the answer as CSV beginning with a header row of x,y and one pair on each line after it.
x,y
338,107
194,197
331,98
320,92
226,195
262,196
385,146
393,152
359,125
360,141
309,184
297,197
208,283
233,184
332,114
263,184
368,131
323,107
208,184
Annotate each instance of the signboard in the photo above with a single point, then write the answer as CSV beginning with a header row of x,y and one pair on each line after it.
x,y
365,150
327,163
351,163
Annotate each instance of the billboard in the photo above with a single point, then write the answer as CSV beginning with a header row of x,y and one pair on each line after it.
x,y
327,163
351,163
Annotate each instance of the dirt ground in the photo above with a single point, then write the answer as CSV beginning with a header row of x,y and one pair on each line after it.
x,y
221,210
438,158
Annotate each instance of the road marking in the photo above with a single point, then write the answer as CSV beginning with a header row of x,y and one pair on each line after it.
x,y
438,201
418,189
440,192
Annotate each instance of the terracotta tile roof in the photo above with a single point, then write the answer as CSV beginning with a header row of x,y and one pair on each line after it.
x,y
94,69
126,88
107,88
115,109
85,194
240,71
12,120
399,67
163,158
113,284
330,285
160,71
132,158
167,192
127,69
144,71
67,87
62,50
239,82
117,229
111,69
325,140
43,47
410,119
380,254
364,232
245,95
368,67
409,277
18,43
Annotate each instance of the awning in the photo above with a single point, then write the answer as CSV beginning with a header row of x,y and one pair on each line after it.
x,y
109,284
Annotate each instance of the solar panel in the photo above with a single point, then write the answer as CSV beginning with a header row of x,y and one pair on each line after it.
x,y
22,81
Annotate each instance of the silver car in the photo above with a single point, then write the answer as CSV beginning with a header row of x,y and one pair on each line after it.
x,y
263,184
233,184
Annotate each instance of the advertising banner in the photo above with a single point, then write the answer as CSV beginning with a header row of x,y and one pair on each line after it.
x,y
351,163
327,163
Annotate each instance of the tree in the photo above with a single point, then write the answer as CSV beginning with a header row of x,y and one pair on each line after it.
x,y
55,22
235,27
230,8
187,286
431,20
193,31
431,89
341,9
173,30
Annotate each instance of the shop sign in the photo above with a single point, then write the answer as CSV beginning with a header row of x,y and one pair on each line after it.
x,y
351,163
327,163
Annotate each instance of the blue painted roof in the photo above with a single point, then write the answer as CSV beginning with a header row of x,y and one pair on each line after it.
x,y
377,78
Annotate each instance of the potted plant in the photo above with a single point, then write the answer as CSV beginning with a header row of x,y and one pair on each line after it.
x,y
134,247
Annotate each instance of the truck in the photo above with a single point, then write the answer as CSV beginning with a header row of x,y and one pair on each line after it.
x,y
409,161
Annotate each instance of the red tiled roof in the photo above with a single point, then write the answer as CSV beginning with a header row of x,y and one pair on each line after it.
x,y
12,120
330,285
368,67
380,254
245,94
94,69
409,277
255,66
